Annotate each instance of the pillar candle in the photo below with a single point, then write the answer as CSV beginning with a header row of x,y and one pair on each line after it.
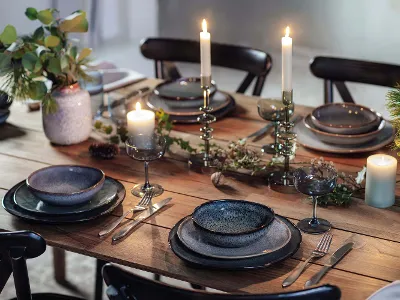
x,y
141,125
381,180
205,51
287,62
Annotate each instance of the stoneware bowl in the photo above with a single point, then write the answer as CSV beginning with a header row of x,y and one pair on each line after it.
x,y
345,118
232,223
343,139
66,185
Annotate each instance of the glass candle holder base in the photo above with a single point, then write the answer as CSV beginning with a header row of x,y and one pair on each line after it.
x,y
271,148
196,162
139,190
319,227
281,178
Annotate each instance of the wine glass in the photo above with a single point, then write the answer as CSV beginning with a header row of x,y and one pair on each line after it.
x,y
315,181
274,112
146,148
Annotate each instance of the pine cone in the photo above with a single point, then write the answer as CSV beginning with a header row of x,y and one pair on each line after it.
x,y
103,150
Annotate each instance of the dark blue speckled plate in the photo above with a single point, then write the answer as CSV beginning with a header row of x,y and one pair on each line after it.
x,y
25,199
275,238
192,258
14,209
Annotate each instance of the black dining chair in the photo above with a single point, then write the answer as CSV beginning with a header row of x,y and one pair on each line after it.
x,y
166,51
335,71
123,285
15,249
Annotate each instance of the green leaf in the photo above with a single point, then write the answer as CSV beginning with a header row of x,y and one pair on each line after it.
x,y
84,53
29,60
75,22
38,34
64,62
38,66
51,41
5,63
54,66
31,13
37,90
45,16
73,52
9,35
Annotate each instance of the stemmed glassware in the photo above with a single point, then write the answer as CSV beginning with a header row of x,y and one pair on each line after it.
x,y
146,148
274,112
315,181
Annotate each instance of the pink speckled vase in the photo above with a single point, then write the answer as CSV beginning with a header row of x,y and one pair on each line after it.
x,y
72,123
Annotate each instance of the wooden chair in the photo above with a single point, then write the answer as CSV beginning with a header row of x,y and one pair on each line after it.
x,y
15,248
165,51
123,285
335,71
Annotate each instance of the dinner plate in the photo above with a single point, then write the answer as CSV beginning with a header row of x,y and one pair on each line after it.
x,y
14,209
182,90
265,260
218,101
274,239
307,139
25,199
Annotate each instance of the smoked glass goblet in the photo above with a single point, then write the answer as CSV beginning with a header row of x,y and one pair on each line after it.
x,y
315,181
146,148
273,111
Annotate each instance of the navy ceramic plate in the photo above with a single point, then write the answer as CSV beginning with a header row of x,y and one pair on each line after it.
x,y
12,208
25,199
66,185
262,261
275,238
182,89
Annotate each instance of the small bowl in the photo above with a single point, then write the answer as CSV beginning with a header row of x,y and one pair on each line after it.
x,y
343,139
66,185
345,118
232,223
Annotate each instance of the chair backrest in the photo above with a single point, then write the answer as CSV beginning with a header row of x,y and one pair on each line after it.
x,y
335,71
123,285
15,248
165,51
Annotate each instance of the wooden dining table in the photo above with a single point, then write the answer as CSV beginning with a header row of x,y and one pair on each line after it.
x,y
373,263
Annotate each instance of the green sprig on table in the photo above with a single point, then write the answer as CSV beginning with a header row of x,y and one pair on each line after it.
x,y
393,105
238,156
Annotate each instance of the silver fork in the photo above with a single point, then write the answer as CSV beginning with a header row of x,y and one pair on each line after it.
x,y
320,251
142,205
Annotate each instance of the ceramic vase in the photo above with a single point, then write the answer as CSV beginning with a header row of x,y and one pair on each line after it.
x,y
72,122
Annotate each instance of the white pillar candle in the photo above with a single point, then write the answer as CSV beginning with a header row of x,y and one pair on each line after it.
x,y
381,180
205,51
141,125
287,62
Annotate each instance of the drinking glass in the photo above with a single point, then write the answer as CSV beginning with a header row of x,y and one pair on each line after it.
x,y
315,181
274,112
146,148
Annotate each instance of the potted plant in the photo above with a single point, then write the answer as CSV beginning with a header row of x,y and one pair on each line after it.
x,y
46,66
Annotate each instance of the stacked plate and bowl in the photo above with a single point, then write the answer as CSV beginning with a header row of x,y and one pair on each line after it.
x,y
234,234
64,194
344,128
182,98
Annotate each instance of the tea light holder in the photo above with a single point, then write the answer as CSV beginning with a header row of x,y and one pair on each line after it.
x,y
206,119
287,139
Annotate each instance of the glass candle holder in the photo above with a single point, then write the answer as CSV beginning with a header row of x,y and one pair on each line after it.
x,y
146,148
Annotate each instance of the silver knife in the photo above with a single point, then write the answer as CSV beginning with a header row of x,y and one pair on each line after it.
x,y
143,216
334,259
260,131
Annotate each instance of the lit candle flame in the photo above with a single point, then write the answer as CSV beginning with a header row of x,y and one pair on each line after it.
x,y
204,25
138,107
287,31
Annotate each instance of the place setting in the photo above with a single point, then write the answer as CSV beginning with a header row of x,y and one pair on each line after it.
x,y
344,128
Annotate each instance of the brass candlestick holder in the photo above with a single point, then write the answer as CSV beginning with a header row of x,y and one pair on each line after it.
x,y
206,119
287,139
